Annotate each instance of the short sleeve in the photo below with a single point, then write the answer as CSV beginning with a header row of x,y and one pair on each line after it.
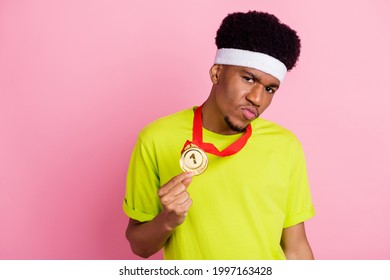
x,y
299,203
141,201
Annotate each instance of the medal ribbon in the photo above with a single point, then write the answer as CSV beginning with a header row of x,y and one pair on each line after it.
x,y
197,138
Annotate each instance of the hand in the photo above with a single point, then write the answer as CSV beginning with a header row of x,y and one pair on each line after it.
x,y
175,199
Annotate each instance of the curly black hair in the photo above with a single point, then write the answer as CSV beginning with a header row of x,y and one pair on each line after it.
x,y
260,32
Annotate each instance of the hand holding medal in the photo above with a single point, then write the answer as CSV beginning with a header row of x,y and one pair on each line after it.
x,y
175,199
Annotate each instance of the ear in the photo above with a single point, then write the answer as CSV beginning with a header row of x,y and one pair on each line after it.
x,y
215,71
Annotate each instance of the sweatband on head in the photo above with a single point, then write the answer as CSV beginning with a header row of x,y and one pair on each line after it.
x,y
256,60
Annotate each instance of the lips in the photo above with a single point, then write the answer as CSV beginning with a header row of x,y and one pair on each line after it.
x,y
249,113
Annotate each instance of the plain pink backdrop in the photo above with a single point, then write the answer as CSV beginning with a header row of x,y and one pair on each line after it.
x,y
79,79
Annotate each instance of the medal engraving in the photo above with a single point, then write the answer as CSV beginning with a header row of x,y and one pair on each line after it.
x,y
194,160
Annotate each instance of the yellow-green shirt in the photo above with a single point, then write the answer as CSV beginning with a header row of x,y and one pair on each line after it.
x,y
241,203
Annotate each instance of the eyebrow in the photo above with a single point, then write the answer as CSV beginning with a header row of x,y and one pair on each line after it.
x,y
257,79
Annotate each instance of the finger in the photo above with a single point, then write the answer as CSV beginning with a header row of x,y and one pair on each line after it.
x,y
173,182
186,182
175,191
181,199
173,194
179,209
186,206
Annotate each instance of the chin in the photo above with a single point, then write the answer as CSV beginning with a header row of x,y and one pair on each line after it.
x,y
234,126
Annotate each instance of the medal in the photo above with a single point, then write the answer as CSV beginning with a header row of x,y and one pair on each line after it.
x,y
193,155
193,159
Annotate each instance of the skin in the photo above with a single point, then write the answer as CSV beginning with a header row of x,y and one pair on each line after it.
x,y
148,238
238,96
234,90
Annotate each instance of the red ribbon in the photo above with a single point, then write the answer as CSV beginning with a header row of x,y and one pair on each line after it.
x,y
197,138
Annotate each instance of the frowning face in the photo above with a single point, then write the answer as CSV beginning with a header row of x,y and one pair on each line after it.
x,y
239,95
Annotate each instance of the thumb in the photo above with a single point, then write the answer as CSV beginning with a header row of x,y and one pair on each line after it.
x,y
186,182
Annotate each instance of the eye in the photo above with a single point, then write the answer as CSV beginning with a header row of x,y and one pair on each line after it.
x,y
270,90
248,79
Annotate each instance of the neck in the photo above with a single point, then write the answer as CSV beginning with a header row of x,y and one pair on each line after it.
x,y
213,120
197,138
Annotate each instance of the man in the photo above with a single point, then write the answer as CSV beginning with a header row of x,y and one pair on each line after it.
x,y
244,194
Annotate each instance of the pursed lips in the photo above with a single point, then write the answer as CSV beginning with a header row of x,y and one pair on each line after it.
x,y
250,112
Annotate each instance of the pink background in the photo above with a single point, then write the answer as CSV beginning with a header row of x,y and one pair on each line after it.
x,y
79,79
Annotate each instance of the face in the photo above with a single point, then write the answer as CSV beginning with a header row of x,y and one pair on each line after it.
x,y
239,95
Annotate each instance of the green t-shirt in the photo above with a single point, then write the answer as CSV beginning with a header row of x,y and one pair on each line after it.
x,y
241,203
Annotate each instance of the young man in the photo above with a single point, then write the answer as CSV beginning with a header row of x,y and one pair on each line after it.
x,y
244,193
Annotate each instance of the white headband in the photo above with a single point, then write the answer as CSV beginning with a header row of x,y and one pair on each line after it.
x,y
256,60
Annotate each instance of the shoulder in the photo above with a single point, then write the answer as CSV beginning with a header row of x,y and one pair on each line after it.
x,y
168,125
267,128
276,138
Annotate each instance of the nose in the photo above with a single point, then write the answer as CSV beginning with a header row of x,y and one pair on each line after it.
x,y
256,95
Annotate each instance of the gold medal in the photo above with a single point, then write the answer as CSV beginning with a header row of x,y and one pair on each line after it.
x,y
193,159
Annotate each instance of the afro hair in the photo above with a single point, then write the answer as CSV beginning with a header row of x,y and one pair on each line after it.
x,y
260,32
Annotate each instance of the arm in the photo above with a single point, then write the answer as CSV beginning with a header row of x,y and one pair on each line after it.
x,y
294,243
148,238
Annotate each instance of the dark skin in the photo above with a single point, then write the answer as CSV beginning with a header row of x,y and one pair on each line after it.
x,y
238,96
148,238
